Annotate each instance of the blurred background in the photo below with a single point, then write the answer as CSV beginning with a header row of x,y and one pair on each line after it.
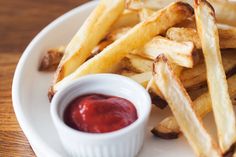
x,y
20,21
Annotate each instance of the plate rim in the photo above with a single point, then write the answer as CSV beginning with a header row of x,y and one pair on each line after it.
x,y
33,137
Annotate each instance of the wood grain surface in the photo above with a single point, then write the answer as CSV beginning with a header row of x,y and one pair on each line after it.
x,y
20,21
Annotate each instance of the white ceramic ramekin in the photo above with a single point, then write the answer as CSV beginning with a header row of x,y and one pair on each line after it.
x,y
125,142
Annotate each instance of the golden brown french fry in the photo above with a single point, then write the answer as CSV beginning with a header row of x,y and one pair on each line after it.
x,y
168,127
135,38
139,64
184,34
193,78
196,77
180,53
143,66
144,13
217,84
102,45
51,59
158,4
181,106
91,32
142,78
135,5
136,63
227,36
110,38
225,11
127,73
188,23
195,93
117,33
128,18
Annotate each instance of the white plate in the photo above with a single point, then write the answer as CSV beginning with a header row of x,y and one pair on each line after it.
x,y
31,104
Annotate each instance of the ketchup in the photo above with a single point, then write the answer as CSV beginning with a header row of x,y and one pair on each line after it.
x,y
96,113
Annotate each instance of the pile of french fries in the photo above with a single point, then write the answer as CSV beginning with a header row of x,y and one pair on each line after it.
x,y
182,52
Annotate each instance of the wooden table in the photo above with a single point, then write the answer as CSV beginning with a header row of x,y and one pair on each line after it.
x,y
20,21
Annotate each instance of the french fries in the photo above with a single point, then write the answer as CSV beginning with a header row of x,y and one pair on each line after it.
x,y
110,38
128,18
180,53
188,23
181,106
158,4
227,36
217,85
158,23
142,78
137,64
135,5
144,13
168,127
51,59
165,47
193,78
126,73
196,77
225,11
91,32
145,79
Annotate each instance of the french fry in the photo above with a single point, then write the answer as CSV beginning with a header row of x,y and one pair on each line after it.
x,y
168,128
180,53
193,78
127,73
128,18
142,78
102,45
188,23
144,13
156,95
202,105
143,66
117,33
51,59
136,63
139,64
135,5
181,106
91,32
158,4
195,93
110,38
217,84
134,39
196,77
227,36
225,11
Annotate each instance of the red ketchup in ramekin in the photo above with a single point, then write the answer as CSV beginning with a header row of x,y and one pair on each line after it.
x,y
97,113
